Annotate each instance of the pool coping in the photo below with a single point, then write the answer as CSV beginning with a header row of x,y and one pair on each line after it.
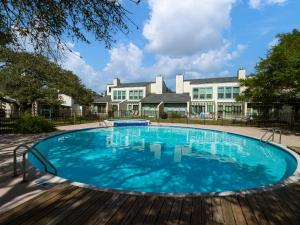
x,y
283,183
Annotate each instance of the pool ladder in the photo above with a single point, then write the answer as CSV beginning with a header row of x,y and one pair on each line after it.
x,y
37,154
273,131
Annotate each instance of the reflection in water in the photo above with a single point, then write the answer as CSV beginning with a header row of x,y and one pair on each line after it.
x,y
157,159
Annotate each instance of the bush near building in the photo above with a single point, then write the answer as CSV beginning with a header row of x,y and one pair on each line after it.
x,y
29,124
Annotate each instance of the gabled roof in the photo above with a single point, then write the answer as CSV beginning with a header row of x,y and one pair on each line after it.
x,y
214,80
102,99
137,84
167,98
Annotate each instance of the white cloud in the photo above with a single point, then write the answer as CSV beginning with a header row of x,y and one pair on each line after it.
x,y
257,4
186,27
211,62
125,62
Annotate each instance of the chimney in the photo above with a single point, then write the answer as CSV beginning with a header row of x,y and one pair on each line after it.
x,y
179,84
241,73
159,84
116,81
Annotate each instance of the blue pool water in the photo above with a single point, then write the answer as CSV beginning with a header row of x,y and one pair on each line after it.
x,y
166,159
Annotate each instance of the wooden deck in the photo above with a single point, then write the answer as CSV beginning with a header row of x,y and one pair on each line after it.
x,y
68,204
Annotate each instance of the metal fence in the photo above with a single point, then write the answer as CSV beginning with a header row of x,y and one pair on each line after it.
x,y
287,120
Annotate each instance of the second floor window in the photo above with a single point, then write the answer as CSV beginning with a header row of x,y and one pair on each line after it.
x,y
228,92
119,95
202,93
136,94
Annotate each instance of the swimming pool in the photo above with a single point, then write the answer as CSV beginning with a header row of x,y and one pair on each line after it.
x,y
160,159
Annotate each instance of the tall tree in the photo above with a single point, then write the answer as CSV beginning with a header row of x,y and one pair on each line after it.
x,y
277,76
45,23
29,78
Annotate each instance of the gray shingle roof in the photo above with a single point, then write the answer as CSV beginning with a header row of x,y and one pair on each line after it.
x,y
166,98
214,80
137,84
102,99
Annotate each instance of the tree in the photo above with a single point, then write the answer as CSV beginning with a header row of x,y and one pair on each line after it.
x,y
31,78
277,77
45,23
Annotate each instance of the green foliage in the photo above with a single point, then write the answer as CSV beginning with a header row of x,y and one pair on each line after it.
x,y
29,124
277,77
45,23
175,115
164,115
28,78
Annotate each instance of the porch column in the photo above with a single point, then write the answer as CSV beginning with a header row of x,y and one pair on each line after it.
x,y
216,110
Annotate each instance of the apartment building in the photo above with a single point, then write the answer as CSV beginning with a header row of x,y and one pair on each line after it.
x,y
209,97
126,97
213,97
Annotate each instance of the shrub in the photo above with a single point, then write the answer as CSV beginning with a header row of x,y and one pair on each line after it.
x,y
29,124
164,115
175,115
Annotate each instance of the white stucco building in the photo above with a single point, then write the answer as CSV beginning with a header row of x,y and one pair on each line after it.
x,y
213,96
210,97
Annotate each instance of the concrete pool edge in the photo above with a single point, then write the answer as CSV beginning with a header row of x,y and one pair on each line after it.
x,y
289,180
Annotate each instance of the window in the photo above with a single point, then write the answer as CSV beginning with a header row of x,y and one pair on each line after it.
x,y
228,108
202,93
220,92
195,93
220,108
119,95
209,108
228,92
209,92
136,94
115,95
236,92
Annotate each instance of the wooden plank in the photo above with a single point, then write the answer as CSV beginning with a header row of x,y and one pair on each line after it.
x,y
34,202
90,210
259,215
175,211
289,204
154,211
43,214
273,219
23,213
196,211
227,212
110,209
95,209
122,211
247,211
144,210
186,212
165,211
237,211
217,212
73,209
135,209
275,207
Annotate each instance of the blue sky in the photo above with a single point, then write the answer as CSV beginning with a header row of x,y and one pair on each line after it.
x,y
199,38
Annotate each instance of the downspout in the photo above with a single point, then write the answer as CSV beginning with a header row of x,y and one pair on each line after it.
x,y
158,109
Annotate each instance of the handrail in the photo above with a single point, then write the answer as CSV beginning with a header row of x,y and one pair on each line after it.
x,y
273,130
38,155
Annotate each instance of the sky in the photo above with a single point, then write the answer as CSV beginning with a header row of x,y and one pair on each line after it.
x,y
197,38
